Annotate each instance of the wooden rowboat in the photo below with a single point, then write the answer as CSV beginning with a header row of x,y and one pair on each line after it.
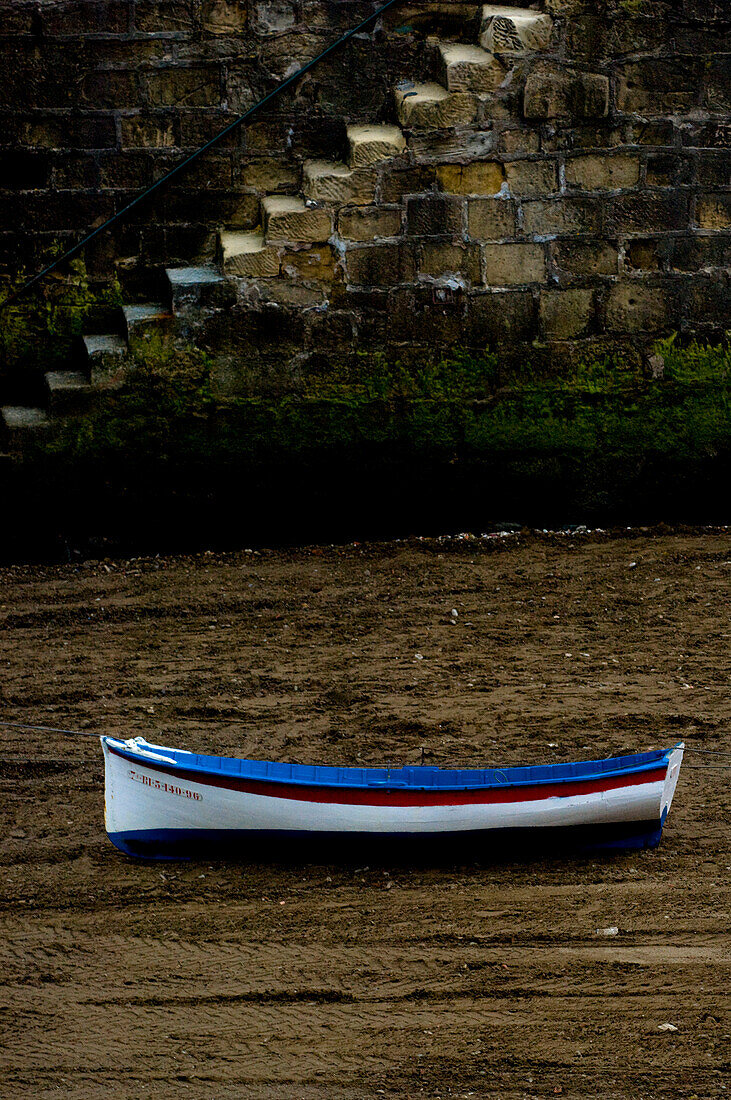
x,y
164,803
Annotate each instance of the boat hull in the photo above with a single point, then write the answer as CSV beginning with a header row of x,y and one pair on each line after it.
x,y
157,807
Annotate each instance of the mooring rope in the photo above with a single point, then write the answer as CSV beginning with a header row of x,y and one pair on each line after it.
x,y
48,729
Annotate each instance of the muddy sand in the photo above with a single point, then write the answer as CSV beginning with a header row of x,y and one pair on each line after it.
x,y
125,979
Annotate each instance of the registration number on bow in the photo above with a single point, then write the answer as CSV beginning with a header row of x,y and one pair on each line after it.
x,y
161,785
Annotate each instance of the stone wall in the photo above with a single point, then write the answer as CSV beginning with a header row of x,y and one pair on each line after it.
x,y
586,198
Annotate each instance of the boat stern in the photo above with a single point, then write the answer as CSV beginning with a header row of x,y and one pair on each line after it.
x,y
675,759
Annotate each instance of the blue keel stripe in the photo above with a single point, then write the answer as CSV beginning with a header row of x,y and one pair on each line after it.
x,y
248,845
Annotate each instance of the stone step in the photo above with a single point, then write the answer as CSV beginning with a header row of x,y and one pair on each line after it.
x,y
464,68
333,182
192,287
289,218
514,30
21,421
104,359
246,254
370,144
143,320
69,392
432,107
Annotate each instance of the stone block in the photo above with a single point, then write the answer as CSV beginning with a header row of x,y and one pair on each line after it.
x,y
660,133
69,393
20,20
645,254
589,38
332,330
145,320
491,219
421,317
566,314
197,287
478,178
126,170
642,212
148,131
198,127
519,141
506,30
197,86
513,264
632,307
706,135
465,68
290,219
500,319
663,169
560,216
315,264
700,253
565,94
366,223
212,171
76,19
714,168
531,177
224,17
586,258
372,144
397,182
659,86
21,422
380,265
597,172
164,16
274,16
708,304
432,107
464,144
588,136
269,174
446,258
433,215
110,89
104,360
76,171
333,182
247,255
713,211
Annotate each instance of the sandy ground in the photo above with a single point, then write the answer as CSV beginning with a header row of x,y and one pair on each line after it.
x,y
124,979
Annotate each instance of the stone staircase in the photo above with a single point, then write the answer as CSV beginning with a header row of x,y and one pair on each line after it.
x,y
303,237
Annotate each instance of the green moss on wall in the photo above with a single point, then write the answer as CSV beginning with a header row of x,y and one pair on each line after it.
x,y
590,439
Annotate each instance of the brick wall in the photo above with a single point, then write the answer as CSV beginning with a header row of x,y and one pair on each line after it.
x,y
589,198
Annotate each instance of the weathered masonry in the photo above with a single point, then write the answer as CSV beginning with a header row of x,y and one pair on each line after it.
x,y
555,176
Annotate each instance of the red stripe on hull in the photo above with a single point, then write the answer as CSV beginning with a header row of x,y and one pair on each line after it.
x,y
352,796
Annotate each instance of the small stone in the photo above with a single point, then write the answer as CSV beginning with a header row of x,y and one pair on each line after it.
x,y
656,366
612,930
666,1027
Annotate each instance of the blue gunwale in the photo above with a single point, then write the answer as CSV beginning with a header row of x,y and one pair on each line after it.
x,y
414,777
